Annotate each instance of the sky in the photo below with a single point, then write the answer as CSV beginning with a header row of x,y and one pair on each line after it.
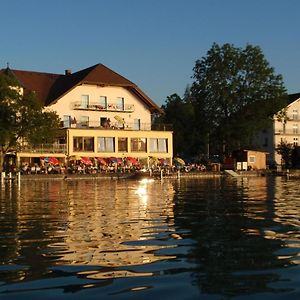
x,y
153,43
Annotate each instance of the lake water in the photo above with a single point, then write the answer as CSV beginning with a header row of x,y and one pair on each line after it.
x,y
206,238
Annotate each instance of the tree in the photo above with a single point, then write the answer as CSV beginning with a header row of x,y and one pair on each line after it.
x,y
237,93
22,117
286,152
180,113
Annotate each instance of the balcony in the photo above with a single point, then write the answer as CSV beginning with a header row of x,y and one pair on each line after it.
x,y
287,132
44,148
94,106
118,126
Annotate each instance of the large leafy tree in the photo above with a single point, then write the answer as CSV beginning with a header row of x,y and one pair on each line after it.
x,y
22,117
181,113
236,91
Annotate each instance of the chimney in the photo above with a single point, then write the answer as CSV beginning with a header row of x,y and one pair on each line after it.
x,y
68,72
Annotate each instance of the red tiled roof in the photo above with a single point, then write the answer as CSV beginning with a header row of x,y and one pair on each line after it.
x,y
51,87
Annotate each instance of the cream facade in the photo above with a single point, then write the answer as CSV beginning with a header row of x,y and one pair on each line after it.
x,y
92,102
283,129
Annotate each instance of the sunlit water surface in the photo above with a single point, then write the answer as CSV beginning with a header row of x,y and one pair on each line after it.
x,y
218,238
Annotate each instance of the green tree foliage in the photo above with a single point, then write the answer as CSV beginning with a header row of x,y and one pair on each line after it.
x,y
22,117
286,151
181,113
236,91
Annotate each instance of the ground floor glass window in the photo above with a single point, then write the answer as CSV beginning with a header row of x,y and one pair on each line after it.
x,y
159,145
138,144
83,143
122,144
106,144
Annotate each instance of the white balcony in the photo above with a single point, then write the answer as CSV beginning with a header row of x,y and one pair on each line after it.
x,y
98,107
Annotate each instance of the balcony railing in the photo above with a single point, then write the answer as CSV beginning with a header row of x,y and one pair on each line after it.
x,y
45,148
287,132
118,126
98,107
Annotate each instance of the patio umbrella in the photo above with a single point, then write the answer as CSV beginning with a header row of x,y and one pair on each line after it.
x,y
163,162
45,159
180,161
86,161
119,119
101,161
133,161
75,157
53,161
116,160
153,160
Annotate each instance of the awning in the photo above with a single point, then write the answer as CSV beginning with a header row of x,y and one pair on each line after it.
x,y
86,161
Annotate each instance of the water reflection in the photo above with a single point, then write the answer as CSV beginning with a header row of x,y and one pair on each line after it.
x,y
219,236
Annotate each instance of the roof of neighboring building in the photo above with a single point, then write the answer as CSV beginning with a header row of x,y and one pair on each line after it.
x,y
293,97
51,87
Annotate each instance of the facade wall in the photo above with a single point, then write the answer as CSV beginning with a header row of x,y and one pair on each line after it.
x,y
256,160
116,134
289,131
66,104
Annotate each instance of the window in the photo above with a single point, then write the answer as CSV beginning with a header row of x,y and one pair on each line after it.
x,y
136,124
84,101
283,128
105,122
120,103
67,121
106,144
295,114
295,141
103,102
122,144
252,159
138,144
84,121
295,128
83,143
159,145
